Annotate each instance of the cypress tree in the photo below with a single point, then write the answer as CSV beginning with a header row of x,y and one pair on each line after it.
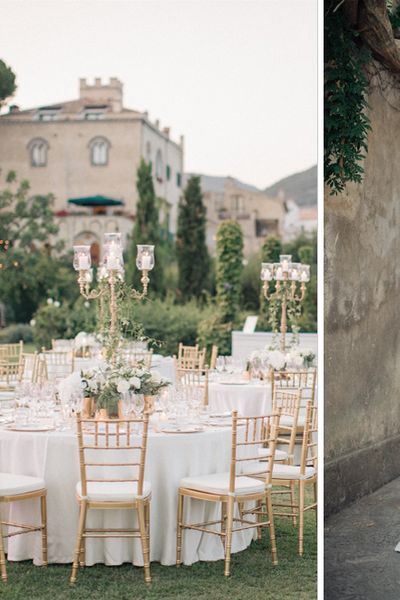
x,y
192,253
146,231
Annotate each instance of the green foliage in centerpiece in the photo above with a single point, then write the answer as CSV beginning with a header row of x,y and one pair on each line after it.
x,y
107,384
191,248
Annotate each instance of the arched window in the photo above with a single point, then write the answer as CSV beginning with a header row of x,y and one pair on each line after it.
x,y
99,148
38,152
159,166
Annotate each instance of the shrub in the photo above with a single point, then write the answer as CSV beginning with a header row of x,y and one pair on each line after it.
x,y
169,324
15,333
64,321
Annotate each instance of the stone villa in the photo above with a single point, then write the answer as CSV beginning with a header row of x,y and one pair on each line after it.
x,y
86,152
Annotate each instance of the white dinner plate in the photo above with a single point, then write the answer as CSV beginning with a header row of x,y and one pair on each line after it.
x,y
233,382
182,429
30,427
220,415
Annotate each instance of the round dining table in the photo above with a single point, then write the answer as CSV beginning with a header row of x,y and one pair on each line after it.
x,y
249,398
53,455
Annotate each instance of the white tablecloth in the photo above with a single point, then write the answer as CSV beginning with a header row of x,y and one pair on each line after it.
x,y
249,398
170,457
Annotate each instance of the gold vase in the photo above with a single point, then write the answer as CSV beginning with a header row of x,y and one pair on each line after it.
x,y
89,408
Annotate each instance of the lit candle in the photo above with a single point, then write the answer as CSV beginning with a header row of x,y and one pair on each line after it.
x,y
112,262
279,273
146,262
285,266
304,276
83,262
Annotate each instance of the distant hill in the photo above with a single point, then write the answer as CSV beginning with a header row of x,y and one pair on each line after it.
x,y
215,183
300,187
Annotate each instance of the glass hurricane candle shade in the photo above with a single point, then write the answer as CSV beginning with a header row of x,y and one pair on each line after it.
x,y
82,260
267,271
145,257
304,275
285,262
113,254
294,273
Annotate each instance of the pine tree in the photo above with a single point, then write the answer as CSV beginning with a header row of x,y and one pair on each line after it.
x,y
146,231
192,253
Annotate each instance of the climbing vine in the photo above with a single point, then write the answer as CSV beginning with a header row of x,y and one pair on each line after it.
x,y
346,121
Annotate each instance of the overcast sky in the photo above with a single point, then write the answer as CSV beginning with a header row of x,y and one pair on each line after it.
x,y
237,77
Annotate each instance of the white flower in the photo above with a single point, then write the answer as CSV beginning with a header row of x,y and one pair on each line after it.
x,y
32,322
135,381
156,377
277,360
86,304
57,304
49,301
123,386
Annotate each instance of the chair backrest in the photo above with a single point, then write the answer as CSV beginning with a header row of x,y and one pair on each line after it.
x,y
287,402
31,366
305,379
10,374
249,435
138,357
58,364
128,454
190,357
62,345
214,356
194,377
11,352
309,449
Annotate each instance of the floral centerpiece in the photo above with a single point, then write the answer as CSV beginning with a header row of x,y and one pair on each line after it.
x,y
106,385
272,358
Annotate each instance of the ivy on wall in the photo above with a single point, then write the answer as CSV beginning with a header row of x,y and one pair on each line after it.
x,y
345,101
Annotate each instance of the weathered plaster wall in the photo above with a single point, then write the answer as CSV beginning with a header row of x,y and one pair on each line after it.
x,y
362,314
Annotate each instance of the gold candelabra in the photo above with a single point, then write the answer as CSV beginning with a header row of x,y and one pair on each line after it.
x,y
110,273
290,286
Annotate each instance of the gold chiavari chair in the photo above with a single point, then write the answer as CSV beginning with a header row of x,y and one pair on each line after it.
x,y
301,475
11,352
306,380
286,402
57,364
190,357
127,489
32,368
235,488
62,345
197,378
138,358
214,356
16,488
10,374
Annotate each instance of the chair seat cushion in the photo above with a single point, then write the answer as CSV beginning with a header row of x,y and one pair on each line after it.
x,y
12,485
218,483
287,421
113,491
279,454
292,472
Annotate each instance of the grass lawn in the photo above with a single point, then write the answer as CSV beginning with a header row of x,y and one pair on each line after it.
x,y
253,576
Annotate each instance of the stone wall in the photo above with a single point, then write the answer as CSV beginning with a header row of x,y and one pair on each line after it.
x,y
362,313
